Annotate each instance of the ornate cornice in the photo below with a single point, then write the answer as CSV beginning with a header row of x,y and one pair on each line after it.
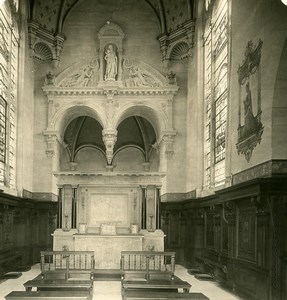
x,y
109,178
58,91
110,174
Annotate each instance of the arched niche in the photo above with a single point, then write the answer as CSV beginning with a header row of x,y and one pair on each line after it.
x,y
110,53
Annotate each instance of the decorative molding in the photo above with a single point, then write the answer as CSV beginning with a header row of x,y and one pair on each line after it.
x,y
45,197
175,197
44,44
179,43
250,128
266,169
110,178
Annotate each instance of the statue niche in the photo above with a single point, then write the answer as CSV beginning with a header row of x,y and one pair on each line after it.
x,y
110,54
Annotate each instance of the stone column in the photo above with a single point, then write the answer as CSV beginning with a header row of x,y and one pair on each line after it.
x,y
158,221
59,208
143,210
151,207
74,207
67,207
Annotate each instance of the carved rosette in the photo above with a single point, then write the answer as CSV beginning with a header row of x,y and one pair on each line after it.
x,y
109,138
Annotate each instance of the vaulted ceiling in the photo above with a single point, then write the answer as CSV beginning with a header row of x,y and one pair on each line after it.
x,y
51,14
135,132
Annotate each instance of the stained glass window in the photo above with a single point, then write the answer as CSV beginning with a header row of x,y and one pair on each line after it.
x,y
215,92
9,39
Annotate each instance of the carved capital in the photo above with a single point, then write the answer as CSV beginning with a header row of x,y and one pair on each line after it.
x,y
168,137
168,143
51,138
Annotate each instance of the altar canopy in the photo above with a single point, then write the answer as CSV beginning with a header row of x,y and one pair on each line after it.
x,y
108,210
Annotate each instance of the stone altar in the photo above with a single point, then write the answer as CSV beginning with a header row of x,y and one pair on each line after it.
x,y
108,220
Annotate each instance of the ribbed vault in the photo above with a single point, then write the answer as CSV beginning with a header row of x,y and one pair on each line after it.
x,y
133,132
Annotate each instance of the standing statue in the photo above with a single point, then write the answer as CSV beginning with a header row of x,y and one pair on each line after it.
x,y
112,62
250,122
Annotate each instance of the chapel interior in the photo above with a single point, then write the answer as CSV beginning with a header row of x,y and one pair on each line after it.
x,y
147,125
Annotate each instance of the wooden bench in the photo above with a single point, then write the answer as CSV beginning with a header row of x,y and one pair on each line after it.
x,y
59,284
64,271
49,295
139,294
67,264
150,270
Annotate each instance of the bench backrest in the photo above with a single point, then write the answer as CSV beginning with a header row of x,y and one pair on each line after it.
x,y
147,262
67,262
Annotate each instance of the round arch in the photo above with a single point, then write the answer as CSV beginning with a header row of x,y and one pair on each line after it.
x,y
157,119
64,116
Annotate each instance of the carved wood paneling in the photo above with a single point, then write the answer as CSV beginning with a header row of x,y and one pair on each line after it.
x,y
246,243
25,229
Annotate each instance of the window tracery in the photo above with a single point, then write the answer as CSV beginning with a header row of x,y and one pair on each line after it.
x,y
215,92
8,94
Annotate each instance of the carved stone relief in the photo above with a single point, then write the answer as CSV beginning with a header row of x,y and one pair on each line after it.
x,y
250,128
86,75
136,75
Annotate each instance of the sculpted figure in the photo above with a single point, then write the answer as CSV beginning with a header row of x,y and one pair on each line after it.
x,y
111,66
250,122
50,78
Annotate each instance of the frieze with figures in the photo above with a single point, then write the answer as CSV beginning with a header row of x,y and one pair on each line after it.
x,y
136,74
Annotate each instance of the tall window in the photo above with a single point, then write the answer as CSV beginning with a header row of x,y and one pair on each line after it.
x,y
215,91
9,39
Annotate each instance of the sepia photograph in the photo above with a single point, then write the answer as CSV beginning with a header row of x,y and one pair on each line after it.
x,y
143,149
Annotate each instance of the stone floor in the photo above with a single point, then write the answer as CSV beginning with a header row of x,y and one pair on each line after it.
x,y
111,290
